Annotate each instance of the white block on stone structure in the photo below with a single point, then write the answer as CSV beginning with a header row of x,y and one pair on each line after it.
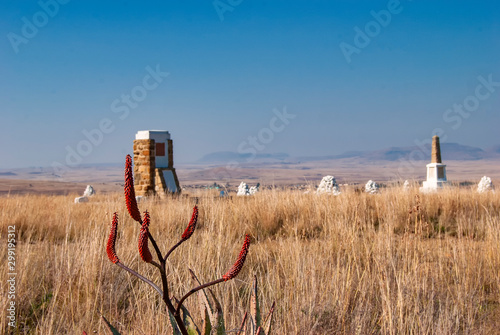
x,y
160,137
157,135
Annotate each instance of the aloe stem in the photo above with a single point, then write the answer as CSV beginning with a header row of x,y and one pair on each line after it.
x,y
194,290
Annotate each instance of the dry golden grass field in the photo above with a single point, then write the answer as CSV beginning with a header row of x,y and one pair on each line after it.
x,y
399,262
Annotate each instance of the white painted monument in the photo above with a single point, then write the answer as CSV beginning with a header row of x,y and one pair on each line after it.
x,y
436,170
154,163
406,185
328,185
243,189
79,200
371,187
485,185
254,189
89,191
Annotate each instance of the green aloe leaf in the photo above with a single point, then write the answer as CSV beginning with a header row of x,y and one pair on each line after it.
x,y
114,331
269,320
255,318
191,326
173,323
218,316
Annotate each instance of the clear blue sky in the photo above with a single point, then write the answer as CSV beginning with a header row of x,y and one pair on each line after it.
x,y
65,68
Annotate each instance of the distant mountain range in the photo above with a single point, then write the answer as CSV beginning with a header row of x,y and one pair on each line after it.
x,y
449,151
229,156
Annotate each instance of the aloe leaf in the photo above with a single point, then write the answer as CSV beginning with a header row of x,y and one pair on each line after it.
x,y
260,331
191,327
113,330
254,307
205,304
242,329
269,320
207,326
218,316
173,323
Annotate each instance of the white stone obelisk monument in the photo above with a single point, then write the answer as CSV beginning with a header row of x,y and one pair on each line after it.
x,y
436,170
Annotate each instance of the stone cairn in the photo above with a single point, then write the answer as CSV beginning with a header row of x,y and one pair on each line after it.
x,y
328,185
154,171
244,189
144,167
485,185
89,192
371,187
406,185
254,189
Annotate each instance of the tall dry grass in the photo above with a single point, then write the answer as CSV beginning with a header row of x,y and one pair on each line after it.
x,y
354,264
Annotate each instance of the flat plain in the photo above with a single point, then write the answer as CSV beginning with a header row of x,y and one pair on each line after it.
x,y
398,262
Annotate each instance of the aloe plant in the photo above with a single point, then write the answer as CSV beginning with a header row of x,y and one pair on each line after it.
x,y
180,318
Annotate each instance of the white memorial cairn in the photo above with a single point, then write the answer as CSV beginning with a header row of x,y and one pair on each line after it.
x,y
436,170
371,187
243,189
328,185
89,192
406,185
485,185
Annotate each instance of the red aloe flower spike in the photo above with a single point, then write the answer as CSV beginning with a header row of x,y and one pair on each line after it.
x,y
143,240
130,192
110,247
192,224
233,272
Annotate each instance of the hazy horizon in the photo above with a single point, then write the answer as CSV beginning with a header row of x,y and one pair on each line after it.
x,y
304,78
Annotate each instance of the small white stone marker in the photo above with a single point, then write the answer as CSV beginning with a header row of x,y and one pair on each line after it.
x,y
371,187
253,189
406,185
328,185
80,200
485,185
89,191
243,189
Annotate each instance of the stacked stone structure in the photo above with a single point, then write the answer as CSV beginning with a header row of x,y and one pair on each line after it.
x,y
154,172
144,163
